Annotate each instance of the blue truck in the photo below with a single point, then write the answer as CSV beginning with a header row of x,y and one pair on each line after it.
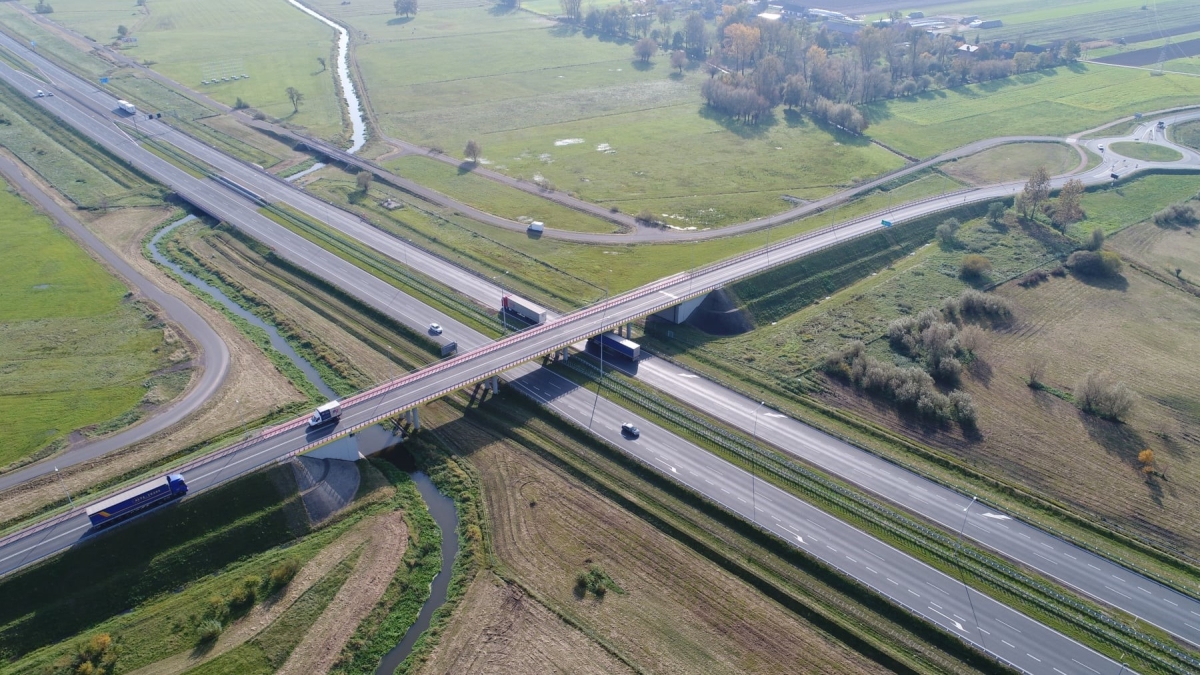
x,y
619,345
137,499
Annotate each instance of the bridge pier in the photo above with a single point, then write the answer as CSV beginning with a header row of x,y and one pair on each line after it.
x,y
413,417
680,313
495,384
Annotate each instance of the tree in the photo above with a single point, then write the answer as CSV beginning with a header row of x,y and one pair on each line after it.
x,y
1146,457
406,7
1101,394
947,230
995,214
1068,209
1035,370
363,181
666,14
695,35
43,7
1097,241
974,266
321,60
296,98
678,60
1036,192
572,9
742,42
473,150
122,31
644,49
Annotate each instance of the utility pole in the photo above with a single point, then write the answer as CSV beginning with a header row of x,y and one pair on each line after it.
x,y
962,576
70,501
754,468
600,383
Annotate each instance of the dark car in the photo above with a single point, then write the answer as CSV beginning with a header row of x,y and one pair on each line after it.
x,y
630,431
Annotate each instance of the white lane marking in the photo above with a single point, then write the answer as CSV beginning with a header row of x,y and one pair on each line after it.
x,y
913,592
673,470
1190,626
1144,590
44,542
1070,556
870,570
1059,671
1054,562
1169,602
1117,578
1022,534
996,516
1009,625
689,376
1088,667
1033,657
881,557
816,524
1008,643
775,415
936,588
1093,567
851,559
956,624
892,581
1117,592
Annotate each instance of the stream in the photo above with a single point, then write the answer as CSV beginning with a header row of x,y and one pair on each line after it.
x,y
358,127
277,340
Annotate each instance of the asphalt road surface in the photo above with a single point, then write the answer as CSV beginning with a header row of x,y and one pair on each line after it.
x,y
638,306
213,365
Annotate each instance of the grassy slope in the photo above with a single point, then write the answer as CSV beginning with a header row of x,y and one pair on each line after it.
x,y
1055,102
273,42
74,352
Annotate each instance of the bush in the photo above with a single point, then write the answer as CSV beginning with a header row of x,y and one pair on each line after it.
x,y
239,104
1033,278
1177,215
973,304
1101,394
909,388
282,573
995,213
1100,265
947,231
975,266
209,631
1059,271
1097,241
645,217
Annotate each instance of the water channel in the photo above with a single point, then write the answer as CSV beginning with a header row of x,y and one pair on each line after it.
x,y
277,340
358,127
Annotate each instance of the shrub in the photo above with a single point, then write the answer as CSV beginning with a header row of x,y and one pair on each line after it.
x,y
1177,215
995,213
947,231
239,104
964,408
1101,394
209,631
282,573
1033,278
1097,241
645,217
1059,271
909,388
973,304
972,338
974,266
1091,264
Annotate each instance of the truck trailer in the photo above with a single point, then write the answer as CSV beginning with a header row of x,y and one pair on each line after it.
x,y
615,343
524,309
127,107
137,499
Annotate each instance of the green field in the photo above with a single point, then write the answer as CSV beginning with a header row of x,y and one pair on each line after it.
x,y
1013,162
494,197
1147,152
1187,134
74,352
1056,102
274,43
548,102
1112,209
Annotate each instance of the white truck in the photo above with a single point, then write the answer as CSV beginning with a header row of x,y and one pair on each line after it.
x,y
127,107
524,309
329,412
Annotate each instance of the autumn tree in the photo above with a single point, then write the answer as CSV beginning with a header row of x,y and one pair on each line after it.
x,y
473,151
679,60
741,41
1068,209
296,98
1036,192
644,49
1146,458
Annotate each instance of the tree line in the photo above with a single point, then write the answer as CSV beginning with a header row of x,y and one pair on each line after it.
x,y
756,65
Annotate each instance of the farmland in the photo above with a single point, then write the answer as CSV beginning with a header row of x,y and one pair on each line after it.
x,y
271,41
1040,22
77,353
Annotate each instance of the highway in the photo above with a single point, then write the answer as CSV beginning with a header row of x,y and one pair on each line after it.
x,y
562,332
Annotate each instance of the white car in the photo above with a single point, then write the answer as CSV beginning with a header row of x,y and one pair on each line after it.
x,y
436,329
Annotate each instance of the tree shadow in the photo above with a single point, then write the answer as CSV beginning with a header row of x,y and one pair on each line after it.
x,y
742,129
565,30
981,371
501,9
1113,283
794,118
400,20
1123,442
466,166
642,66
676,75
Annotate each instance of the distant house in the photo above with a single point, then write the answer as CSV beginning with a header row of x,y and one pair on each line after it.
x,y
916,15
968,49
991,23
770,16
843,28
